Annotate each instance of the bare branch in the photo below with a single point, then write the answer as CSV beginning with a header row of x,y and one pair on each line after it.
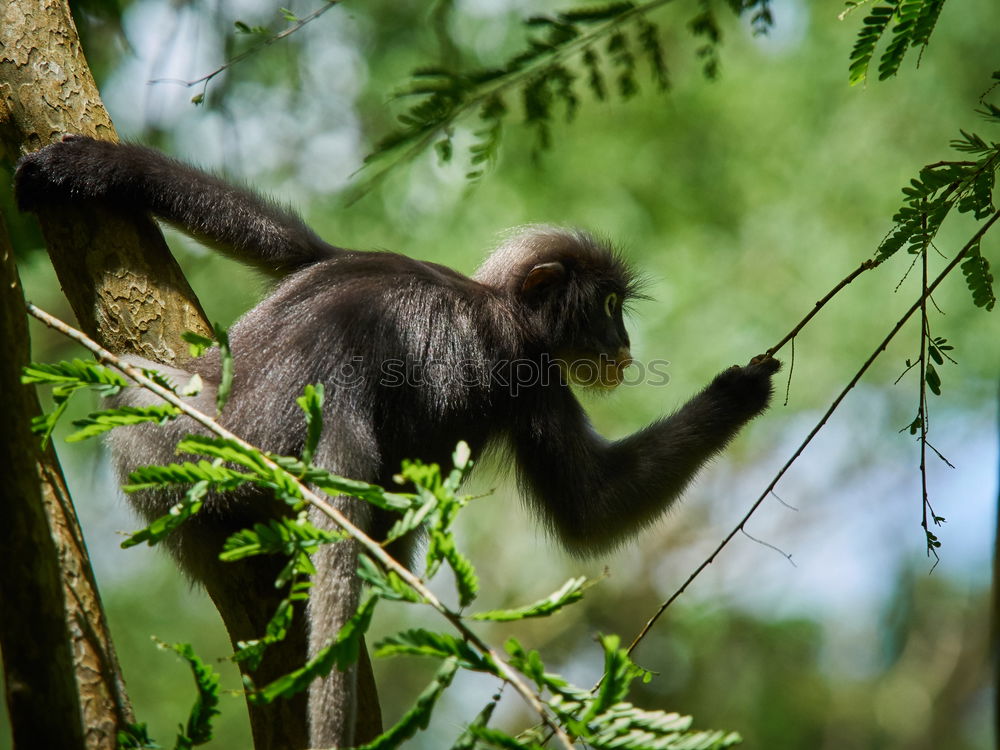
x,y
865,266
926,292
253,50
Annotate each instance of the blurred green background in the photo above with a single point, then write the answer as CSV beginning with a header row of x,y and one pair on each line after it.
x,y
744,200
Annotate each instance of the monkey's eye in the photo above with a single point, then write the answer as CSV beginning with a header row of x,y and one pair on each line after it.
x,y
610,304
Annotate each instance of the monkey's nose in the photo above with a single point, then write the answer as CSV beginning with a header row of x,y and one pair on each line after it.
x,y
623,357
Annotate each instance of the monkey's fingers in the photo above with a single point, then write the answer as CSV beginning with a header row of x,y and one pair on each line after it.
x,y
765,362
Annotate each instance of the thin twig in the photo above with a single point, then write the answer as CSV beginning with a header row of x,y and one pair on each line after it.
x,y
776,548
371,546
791,371
402,152
787,505
865,266
922,408
926,292
253,50
941,456
851,8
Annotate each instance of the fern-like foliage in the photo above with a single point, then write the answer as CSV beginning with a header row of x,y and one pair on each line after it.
x,y
341,652
68,378
419,716
967,186
979,279
603,49
601,718
706,26
909,24
198,728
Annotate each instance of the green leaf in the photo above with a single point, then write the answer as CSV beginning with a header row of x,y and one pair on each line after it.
x,y
872,28
467,740
312,404
597,13
979,279
619,671
487,145
386,583
77,373
279,536
197,344
420,642
68,377
649,40
99,422
571,591
625,727
443,545
159,477
181,512
595,78
411,520
419,715
228,368
225,449
198,729
341,653
159,378
933,379
530,663
621,55
135,737
334,485
44,424
252,652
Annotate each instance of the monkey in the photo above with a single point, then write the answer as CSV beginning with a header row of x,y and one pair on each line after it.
x,y
414,357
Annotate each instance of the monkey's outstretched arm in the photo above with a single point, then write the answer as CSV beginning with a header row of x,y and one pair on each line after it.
x,y
593,492
132,178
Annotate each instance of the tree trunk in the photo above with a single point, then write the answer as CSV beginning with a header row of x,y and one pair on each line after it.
x,y
37,627
125,288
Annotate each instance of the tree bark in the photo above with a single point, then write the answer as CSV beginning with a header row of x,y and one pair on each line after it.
x,y
124,286
36,627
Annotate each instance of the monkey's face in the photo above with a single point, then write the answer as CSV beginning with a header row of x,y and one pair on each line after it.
x,y
574,306
599,352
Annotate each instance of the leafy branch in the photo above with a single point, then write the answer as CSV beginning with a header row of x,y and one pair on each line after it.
x,y
908,24
929,198
296,24
926,292
606,37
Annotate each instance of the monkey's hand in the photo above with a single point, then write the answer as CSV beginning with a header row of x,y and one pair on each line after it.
x,y
745,391
73,169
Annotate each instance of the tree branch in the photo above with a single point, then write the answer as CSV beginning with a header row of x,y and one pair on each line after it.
x,y
926,292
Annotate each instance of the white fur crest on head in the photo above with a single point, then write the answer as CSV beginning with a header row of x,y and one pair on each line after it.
x,y
524,246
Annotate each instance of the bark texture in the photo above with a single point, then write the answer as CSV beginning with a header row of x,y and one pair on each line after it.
x,y
36,629
125,288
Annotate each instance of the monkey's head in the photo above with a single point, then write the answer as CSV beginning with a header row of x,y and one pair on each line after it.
x,y
571,289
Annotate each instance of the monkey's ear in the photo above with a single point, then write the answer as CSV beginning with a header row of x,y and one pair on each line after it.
x,y
542,276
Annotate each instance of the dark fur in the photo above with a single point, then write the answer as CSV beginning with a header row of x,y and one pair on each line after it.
x,y
337,307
